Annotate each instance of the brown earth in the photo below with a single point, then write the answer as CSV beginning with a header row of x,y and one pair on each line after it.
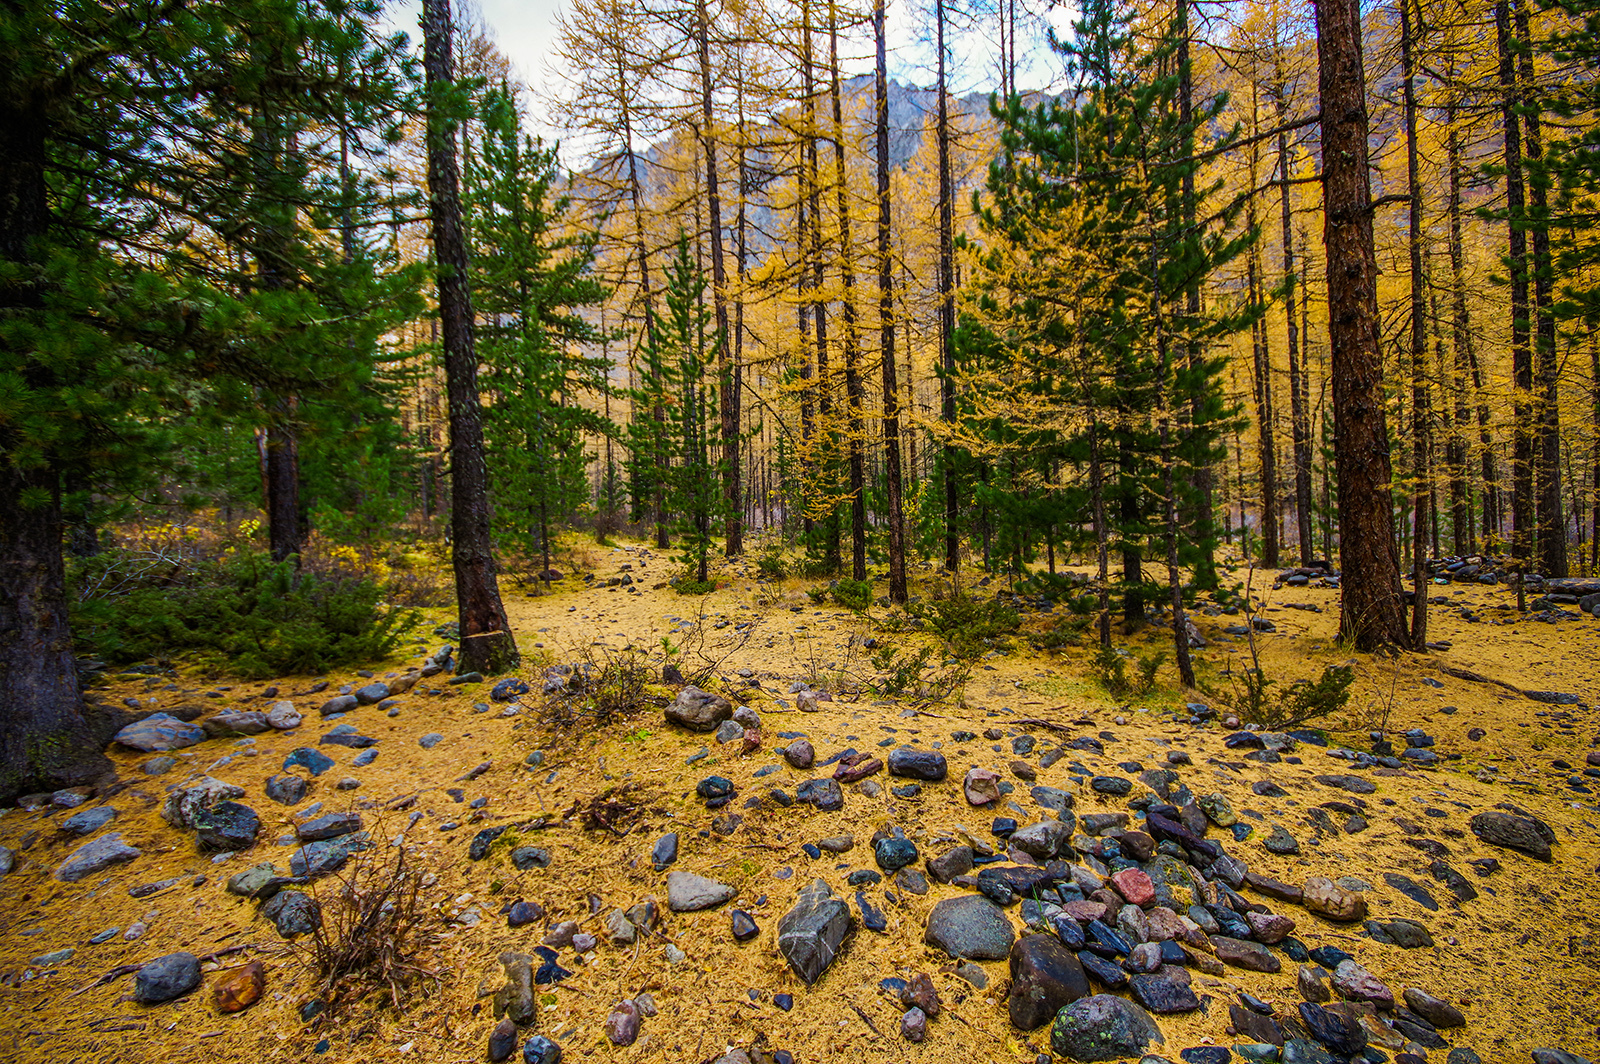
x,y
1521,959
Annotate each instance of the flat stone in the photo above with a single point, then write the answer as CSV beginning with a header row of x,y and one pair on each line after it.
x,y
287,789
313,761
328,826
226,826
184,804
1045,976
320,858
811,933
1043,840
1333,902
88,821
1527,835
1436,1011
166,978
1355,983
1354,784
1338,1032
1102,1027
96,855
687,892
1163,994
1251,956
160,732
235,723
956,861
971,928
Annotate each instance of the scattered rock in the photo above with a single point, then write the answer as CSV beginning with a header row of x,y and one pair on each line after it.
x,y
328,826
1524,834
287,789
183,804
622,1025
970,927
914,1025
811,933
1333,902
226,826
293,913
88,821
1102,1027
96,855
239,989
698,710
687,892
166,978
1044,977
981,786
799,754
1436,1011
160,732
914,764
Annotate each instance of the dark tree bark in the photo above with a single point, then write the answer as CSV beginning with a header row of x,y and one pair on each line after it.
x,y
487,644
47,740
1371,613
1461,339
728,393
893,485
1522,483
1299,413
1547,372
1202,520
1421,423
854,395
947,303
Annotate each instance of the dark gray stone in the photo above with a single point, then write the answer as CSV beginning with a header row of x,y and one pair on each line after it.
x,y
166,978
313,761
88,821
1044,977
917,764
665,851
1524,834
160,732
1102,1027
1335,1030
339,704
287,789
970,928
96,855
293,913
526,858
1163,994
226,826
811,933
319,858
329,826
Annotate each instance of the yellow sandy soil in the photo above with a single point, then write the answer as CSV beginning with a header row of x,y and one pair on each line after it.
x,y
1521,959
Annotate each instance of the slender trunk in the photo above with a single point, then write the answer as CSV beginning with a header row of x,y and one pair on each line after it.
x,y
893,486
1522,458
1371,611
1300,425
1552,532
1180,621
947,305
1421,425
487,644
1594,477
1202,519
854,395
1460,337
1102,535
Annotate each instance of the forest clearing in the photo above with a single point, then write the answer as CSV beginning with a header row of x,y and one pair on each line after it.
x,y
804,531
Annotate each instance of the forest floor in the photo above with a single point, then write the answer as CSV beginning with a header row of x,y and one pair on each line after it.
x,y
1517,949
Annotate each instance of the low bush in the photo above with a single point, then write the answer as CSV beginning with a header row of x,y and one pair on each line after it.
x,y
1111,669
969,625
240,613
853,595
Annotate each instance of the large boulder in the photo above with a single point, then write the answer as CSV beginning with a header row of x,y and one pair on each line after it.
x,y
699,710
1102,1027
160,731
1045,975
810,934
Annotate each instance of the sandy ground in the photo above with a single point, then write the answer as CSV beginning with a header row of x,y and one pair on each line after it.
x,y
1521,958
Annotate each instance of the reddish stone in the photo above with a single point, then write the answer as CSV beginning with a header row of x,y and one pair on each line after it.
x,y
1135,886
1084,911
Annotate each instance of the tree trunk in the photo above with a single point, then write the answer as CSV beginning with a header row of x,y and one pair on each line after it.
x,y
1522,484
1421,424
1552,536
1299,416
1202,520
487,644
893,486
947,305
847,310
1371,610
728,394
47,741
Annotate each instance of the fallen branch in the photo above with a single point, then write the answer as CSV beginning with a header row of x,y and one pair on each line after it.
x,y
867,1020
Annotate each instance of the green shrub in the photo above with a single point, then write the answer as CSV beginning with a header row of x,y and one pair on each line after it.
x,y
771,567
968,625
853,594
1111,669
818,595
686,586
242,614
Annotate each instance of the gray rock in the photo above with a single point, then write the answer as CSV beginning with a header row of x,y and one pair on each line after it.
x,y
687,892
166,978
226,826
96,855
1279,841
328,826
158,732
1045,976
183,804
502,1040
293,913
698,710
8,860
158,766
431,740
88,821
526,858
811,933
319,858
313,761
1102,1027
1163,993
1044,840
287,789
235,723
970,927
339,704
956,861
622,1025
914,1025
913,764
1436,1011
1528,835
799,754
252,880
283,716
540,1050
728,731
1557,1056
372,694
664,852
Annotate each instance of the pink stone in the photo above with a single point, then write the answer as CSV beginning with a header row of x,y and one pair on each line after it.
x,y
1270,928
1083,911
1356,983
982,786
1135,886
